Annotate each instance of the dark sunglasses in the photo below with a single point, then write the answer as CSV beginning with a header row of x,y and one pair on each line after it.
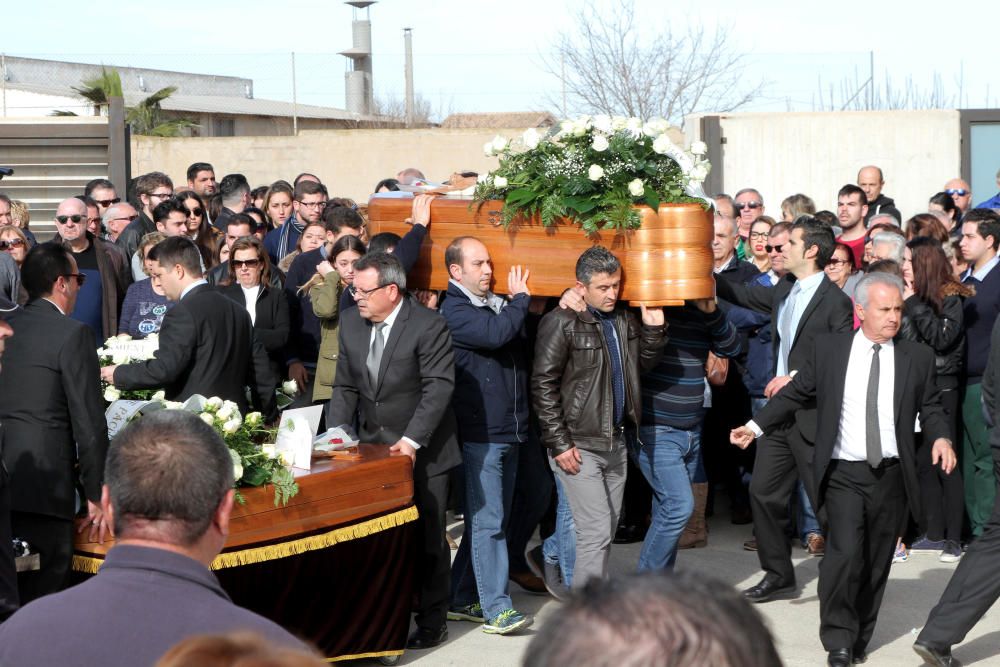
x,y
109,202
11,243
63,219
752,205
249,263
838,262
961,192
196,211
80,278
774,248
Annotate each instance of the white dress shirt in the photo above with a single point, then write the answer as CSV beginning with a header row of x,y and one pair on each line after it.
x,y
850,445
190,287
389,321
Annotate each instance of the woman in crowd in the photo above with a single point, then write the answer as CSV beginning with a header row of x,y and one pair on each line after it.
x,y
868,257
257,196
943,203
20,215
926,224
221,253
199,230
248,284
263,226
953,251
312,237
841,270
759,231
15,243
145,304
278,203
333,276
387,185
795,206
933,315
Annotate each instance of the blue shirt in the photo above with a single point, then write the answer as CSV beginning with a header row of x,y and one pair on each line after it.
x,y
800,296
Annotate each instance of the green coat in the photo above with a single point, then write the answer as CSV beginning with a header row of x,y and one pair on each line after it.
x,y
325,298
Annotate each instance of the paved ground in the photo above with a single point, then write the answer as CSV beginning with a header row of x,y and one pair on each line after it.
x,y
913,589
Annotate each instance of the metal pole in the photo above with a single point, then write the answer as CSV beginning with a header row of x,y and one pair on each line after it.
x,y
871,79
295,102
408,47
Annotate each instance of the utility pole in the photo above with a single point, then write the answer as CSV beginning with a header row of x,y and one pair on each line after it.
x,y
408,47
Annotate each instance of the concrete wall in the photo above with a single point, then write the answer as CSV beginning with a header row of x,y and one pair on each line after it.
x,y
780,154
350,162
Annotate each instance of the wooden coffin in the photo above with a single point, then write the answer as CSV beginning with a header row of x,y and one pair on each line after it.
x,y
334,493
667,260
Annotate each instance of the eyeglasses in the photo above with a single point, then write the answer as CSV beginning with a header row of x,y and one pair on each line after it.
x,y
752,205
104,203
960,192
130,218
196,211
161,195
80,278
248,263
758,235
11,243
65,219
312,204
774,248
358,293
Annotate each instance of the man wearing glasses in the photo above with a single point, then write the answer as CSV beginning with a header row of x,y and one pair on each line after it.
x,y
152,189
961,194
116,218
99,301
103,192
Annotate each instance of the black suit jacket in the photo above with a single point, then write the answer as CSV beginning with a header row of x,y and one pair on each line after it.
x,y
207,347
52,411
829,311
413,395
915,392
271,323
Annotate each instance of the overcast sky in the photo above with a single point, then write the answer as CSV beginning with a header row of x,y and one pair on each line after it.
x,y
490,56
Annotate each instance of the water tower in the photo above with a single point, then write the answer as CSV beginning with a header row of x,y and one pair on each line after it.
x,y
358,79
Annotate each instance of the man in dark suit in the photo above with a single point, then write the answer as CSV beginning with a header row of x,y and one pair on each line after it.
x,y
53,418
396,374
865,462
803,305
207,344
975,586
8,571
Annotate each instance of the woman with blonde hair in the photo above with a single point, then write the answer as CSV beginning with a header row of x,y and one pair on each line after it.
x,y
795,206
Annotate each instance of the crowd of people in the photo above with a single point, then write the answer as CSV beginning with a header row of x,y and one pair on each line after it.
x,y
598,422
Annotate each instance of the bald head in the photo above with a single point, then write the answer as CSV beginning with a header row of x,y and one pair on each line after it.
x,y
960,192
871,181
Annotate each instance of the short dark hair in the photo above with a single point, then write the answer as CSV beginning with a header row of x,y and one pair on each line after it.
x,y
596,259
681,619
97,183
815,233
232,186
338,217
168,206
198,166
384,242
242,219
259,192
828,218
177,250
387,266
303,188
780,228
87,200
42,267
390,184
145,184
852,189
170,469
348,243
987,223
453,253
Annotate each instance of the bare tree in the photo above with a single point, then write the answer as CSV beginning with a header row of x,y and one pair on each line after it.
x,y
392,111
855,94
605,66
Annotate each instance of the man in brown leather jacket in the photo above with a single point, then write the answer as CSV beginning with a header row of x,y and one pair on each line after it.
x,y
585,389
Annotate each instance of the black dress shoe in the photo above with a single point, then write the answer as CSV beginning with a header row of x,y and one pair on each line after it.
x,y
860,657
839,657
768,589
427,638
629,534
939,657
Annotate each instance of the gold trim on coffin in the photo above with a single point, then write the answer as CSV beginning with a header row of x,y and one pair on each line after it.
x,y
360,656
90,565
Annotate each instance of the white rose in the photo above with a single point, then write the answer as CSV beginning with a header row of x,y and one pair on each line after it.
x,y
488,149
531,137
208,418
581,127
699,148
618,123
118,358
600,143
602,123
289,387
173,405
237,465
111,394
253,419
160,396
111,341
636,188
595,173
483,178
499,182
698,173
213,404
633,125
662,144
224,413
102,352
231,426
566,127
499,143
268,450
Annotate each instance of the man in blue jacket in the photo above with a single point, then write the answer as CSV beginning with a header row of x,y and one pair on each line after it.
x,y
491,408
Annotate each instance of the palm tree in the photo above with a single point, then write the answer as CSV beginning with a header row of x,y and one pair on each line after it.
x,y
144,118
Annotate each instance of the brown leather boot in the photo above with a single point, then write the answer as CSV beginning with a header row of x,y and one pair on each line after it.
x,y
695,535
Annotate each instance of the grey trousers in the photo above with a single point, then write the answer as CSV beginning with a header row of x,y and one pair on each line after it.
x,y
595,496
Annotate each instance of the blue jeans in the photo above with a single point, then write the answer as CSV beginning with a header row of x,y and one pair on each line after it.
x,y
560,546
481,562
670,460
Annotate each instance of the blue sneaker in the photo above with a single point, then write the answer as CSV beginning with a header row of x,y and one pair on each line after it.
x,y
924,544
470,612
506,622
899,555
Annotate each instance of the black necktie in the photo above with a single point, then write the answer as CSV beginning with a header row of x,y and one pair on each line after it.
x,y
873,438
